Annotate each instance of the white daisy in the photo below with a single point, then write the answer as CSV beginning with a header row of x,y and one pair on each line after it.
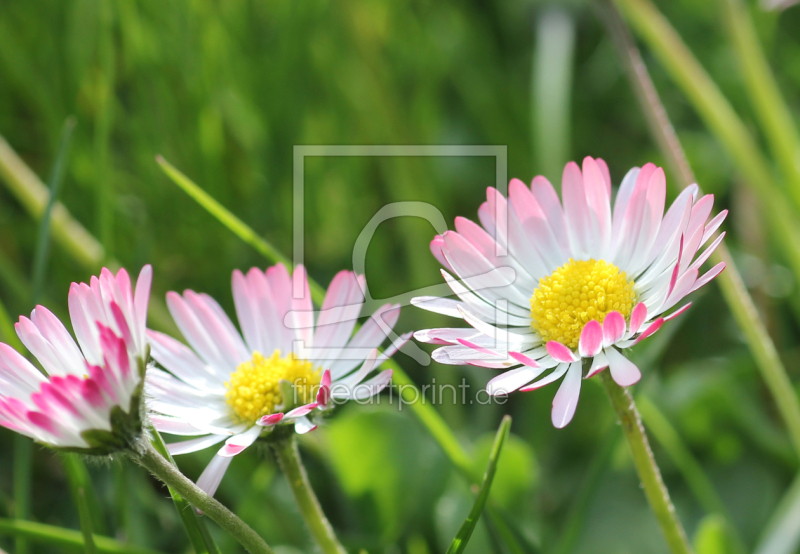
x,y
286,368
545,287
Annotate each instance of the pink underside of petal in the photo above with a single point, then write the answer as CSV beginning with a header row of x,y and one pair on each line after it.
x,y
560,352
42,421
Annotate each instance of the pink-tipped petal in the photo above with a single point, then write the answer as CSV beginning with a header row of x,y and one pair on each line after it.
x,y
270,420
523,359
437,244
302,411
591,341
623,371
566,399
708,276
560,352
651,329
674,278
324,392
638,317
599,363
512,380
613,328
678,312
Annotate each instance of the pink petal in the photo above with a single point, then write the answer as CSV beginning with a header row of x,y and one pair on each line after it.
x,y
523,359
560,352
624,372
566,399
324,392
651,329
436,249
638,316
709,275
599,363
678,312
613,328
591,341
271,419
302,410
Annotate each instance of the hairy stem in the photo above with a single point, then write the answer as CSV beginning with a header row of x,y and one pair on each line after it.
x,y
289,459
646,467
160,467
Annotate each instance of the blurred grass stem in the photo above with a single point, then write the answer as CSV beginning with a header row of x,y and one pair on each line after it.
x,y
658,32
162,469
649,474
321,529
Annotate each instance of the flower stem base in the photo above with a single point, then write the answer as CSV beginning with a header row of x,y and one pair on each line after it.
x,y
289,459
649,474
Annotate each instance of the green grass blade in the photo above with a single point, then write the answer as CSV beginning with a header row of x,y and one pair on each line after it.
x,y
782,534
462,537
29,190
552,91
54,186
239,228
771,109
195,527
66,538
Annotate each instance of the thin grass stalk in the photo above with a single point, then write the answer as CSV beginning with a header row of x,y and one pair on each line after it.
x,y
730,282
722,121
773,113
65,538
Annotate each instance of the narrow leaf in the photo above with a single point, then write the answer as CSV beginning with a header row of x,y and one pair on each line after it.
x,y
73,540
462,537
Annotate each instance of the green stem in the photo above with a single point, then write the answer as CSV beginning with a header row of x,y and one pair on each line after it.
x,y
646,466
23,459
160,467
318,524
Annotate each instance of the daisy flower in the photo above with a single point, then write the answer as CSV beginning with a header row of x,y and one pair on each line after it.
x,y
88,397
546,285
284,369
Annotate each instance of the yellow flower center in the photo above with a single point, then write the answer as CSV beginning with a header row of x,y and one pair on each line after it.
x,y
254,388
576,293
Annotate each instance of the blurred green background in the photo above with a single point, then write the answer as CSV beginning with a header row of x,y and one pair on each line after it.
x,y
225,89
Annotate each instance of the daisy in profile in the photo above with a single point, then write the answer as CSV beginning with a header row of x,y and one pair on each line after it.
x,y
284,369
88,399
588,281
